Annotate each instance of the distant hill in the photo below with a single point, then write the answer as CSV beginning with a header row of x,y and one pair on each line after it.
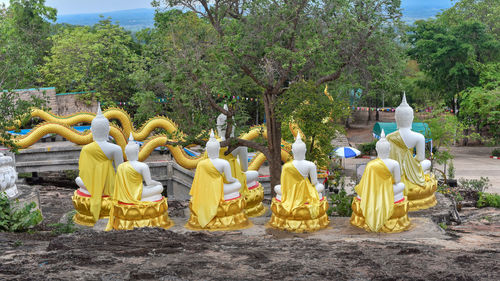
x,y
133,20
138,19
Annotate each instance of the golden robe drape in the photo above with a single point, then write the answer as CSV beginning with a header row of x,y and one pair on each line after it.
x,y
98,175
206,192
411,169
377,194
128,185
297,191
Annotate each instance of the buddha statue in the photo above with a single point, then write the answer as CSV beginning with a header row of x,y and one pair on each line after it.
x,y
299,204
135,204
251,190
8,176
216,203
381,205
96,174
420,184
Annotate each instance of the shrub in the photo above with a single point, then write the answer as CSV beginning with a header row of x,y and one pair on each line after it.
x,y
368,148
67,227
479,185
341,204
18,220
496,152
488,200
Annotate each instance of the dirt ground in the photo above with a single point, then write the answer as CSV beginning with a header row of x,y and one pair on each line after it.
x,y
157,254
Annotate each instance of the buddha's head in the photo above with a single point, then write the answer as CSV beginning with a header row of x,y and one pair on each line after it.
x,y
213,146
404,114
99,126
299,148
383,147
132,149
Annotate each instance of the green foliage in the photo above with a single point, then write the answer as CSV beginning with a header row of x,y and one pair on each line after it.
x,y
479,185
368,148
318,116
67,227
452,54
98,58
443,225
24,28
452,192
496,152
18,220
451,170
341,204
488,200
13,109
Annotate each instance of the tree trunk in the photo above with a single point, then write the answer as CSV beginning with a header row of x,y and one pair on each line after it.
x,y
273,140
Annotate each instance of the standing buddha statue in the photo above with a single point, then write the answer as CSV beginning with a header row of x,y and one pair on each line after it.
x,y
96,174
420,184
251,190
299,205
380,205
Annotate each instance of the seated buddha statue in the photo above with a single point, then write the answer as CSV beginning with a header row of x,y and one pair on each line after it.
x,y
420,184
96,174
251,190
380,205
299,204
216,203
135,204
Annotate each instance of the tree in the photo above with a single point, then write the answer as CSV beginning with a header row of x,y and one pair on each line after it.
x,y
275,43
24,28
480,106
98,58
452,55
15,113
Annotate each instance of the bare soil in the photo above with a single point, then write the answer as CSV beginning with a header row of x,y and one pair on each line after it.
x,y
157,254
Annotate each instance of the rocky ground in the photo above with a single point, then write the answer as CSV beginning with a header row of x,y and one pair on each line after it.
x,y
469,251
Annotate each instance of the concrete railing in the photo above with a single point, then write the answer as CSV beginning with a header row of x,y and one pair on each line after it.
x,y
175,179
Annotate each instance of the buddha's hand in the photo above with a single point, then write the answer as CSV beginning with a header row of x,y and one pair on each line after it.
x,y
153,183
320,187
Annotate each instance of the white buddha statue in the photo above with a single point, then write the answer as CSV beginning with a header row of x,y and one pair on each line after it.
x,y
299,204
8,176
136,204
383,148
232,187
153,189
404,121
100,134
240,152
305,168
215,203
380,205
96,165
420,185
251,189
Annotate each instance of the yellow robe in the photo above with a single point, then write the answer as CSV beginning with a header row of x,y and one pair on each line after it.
x,y
128,185
207,191
411,169
297,191
97,174
377,194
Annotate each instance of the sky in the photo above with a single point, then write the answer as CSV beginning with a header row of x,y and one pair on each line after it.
x,y
65,7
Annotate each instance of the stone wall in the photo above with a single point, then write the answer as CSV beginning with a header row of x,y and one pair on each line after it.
x,y
70,103
44,93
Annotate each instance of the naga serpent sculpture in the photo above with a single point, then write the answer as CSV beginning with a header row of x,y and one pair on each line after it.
x,y
61,125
